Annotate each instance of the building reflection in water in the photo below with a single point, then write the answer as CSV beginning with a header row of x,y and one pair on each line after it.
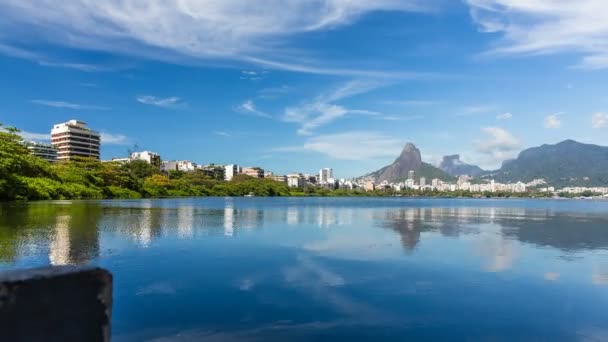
x,y
229,223
75,237
72,230
185,222
59,248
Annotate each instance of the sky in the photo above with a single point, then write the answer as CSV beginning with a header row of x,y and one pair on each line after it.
x,y
299,85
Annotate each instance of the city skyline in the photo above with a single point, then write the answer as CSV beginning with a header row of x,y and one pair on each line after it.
x,y
345,85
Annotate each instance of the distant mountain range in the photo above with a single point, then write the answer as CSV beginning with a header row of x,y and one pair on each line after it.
x,y
409,160
568,163
455,167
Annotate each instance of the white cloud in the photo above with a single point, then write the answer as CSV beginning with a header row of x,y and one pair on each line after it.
x,y
222,133
356,145
412,102
106,138
274,92
547,26
67,105
35,136
504,116
477,109
159,101
253,75
322,110
313,115
500,145
552,121
599,120
113,139
200,29
248,107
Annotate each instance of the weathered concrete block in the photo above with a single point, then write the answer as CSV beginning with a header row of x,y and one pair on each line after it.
x,y
69,303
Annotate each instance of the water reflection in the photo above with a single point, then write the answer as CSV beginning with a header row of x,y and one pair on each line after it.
x,y
71,231
284,269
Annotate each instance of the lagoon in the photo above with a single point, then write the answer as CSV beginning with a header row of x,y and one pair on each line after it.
x,y
331,268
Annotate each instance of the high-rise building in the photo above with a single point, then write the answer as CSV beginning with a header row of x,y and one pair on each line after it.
x,y
325,175
75,139
44,151
411,175
422,182
231,171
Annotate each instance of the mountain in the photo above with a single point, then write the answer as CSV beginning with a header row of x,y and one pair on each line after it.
x,y
409,160
455,167
568,163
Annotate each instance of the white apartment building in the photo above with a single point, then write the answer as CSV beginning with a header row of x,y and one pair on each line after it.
x,y
325,175
147,156
178,165
231,171
75,139
296,180
44,151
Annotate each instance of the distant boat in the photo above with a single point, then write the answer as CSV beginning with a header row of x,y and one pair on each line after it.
x,y
251,194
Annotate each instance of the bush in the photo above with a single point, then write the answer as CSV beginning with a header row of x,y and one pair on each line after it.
x,y
118,192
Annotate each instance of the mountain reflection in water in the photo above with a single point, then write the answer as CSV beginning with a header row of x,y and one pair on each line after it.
x,y
336,269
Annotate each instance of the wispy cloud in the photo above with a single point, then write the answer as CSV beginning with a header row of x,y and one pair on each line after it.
x,y
106,138
477,109
274,92
201,30
67,105
114,139
76,66
322,110
499,145
248,107
553,121
599,120
504,116
546,27
222,133
252,75
356,145
35,136
42,60
166,102
412,103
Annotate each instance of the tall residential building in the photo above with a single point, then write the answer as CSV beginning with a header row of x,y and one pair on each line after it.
x,y
411,175
147,156
45,151
325,175
256,172
231,171
422,182
75,139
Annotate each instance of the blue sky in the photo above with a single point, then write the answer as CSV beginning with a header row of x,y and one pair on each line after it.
x,y
301,85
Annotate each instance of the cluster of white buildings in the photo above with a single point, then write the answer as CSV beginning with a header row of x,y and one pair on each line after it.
x,y
580,190
464,183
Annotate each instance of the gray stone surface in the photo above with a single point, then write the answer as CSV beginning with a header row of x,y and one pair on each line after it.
x,y
70,303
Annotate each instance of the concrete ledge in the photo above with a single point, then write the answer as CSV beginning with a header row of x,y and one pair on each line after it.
x,y
70,303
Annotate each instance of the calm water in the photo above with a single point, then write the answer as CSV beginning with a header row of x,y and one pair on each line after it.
x,y
223,269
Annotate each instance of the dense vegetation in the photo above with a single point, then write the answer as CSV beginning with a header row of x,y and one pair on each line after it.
x,y
23,176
